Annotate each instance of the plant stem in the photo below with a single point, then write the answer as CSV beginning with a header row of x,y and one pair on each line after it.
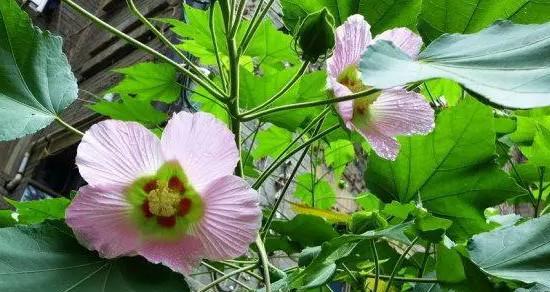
x,y
226,276
267,225
398,264
521,181
376,265
404,279
265,262
169,44
278,163
254,24
69,127
212,27
238,267
541,182
283,90
425,260
144,47
230,278
238,18
312,104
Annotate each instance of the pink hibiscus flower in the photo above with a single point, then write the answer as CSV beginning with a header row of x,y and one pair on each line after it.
x,y
172,200
393,112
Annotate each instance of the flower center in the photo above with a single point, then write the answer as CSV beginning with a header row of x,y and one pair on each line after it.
x,y
163,201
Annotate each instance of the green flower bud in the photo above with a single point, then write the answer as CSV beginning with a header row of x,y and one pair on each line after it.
x,y
363,221
316,35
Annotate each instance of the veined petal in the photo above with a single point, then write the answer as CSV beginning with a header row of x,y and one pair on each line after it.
x,y
181,255
344,108
399,112
116,153
231,219
99,217
384,146
352,39
403,38
203,146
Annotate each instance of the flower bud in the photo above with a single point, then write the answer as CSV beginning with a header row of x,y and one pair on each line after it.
x,y
316,35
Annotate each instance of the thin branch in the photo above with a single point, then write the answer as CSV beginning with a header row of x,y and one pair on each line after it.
x,y
226,276
265,262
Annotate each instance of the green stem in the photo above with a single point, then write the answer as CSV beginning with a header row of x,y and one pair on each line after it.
x,y
404,279
267,225
169,44
69,127
376,265
230,278
283,90
144,48
398,264
225,277
238,18
425,260
521,181
211,25
258,277
541,182
289,146
253,28
273,110
265,262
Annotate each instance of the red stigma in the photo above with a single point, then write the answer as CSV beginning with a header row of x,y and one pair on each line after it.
x,y
167,222
148,187
185,206
146,210
175,184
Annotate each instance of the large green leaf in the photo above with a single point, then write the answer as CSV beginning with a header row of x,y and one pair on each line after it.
x,y
294,11
32,212
451,170
47,256
508,64
308,230
36,82
519,252
271,142
469,16
315,193
129,108
338,155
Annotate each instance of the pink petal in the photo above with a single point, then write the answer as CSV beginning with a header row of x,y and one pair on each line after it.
x,y
203,146
99,217
400,112
231,219
403,38
180,256
116,153
384,146
344,108
352,39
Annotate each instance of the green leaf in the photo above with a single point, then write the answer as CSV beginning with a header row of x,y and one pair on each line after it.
x,y
448,266
520,252
387,14
47,255
466,16
271,142
431,228
451,170
269,46
337,156
445,89
6,219
36,82
317,194
129,108
307,230
539,153
148,82
368,202
514,74
294,11
32,212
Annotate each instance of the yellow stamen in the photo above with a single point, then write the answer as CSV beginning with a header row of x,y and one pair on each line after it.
x,y
163,201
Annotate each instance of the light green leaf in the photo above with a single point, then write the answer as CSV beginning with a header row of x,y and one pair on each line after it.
x,y
36,82
148,82
445,89
319,195
129,108
539,153
307,230
6,218
451,170
470,16
337,156
33,212
519,252
368,202
294,11
387,14
271,142
514,73
47,255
